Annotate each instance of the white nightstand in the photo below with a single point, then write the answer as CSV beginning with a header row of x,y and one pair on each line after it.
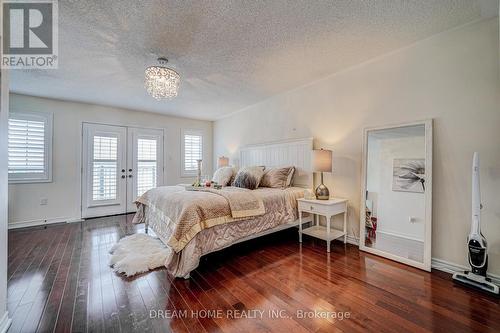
x,y
328,209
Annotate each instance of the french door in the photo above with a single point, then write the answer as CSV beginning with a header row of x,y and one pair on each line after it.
x,y
119,164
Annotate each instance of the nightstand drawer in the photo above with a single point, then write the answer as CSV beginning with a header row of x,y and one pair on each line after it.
x,y
322,209
313,208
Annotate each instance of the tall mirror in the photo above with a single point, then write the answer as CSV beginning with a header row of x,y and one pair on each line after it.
x,y
396,207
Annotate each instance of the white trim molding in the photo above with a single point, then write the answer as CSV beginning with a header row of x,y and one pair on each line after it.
x,y
438,264
450,267
352,239
5,322
39,222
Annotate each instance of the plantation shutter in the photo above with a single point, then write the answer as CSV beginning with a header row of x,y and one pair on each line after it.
x,y
193,151
105,168
29,147
146,165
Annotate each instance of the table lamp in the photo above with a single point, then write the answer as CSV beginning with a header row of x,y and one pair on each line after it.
x,y
222,162
322,162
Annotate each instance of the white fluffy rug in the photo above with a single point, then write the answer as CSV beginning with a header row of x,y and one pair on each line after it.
x,y
137,253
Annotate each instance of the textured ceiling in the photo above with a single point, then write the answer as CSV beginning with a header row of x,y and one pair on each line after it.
x,y
230,54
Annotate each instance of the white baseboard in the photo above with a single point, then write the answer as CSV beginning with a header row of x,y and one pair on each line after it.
x,y
439,264
75,220
5,322
351,239
35,223
450,267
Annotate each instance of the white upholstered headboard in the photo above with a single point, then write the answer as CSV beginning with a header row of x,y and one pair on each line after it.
x,y
295,152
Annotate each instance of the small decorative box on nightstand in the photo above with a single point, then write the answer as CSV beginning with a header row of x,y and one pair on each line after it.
x,y
328,209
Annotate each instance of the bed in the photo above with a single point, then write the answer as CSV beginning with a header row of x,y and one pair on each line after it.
x,y
195,223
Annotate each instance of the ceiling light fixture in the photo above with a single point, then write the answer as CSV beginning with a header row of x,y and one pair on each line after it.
x,y
162,82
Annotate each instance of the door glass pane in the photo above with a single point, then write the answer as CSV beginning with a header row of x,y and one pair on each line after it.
x,y
146,165
104,168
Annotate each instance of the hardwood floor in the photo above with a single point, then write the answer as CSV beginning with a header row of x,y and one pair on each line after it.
x,y
59,280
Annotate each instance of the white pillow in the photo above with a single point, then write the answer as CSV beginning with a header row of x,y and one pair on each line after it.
x,y
223,175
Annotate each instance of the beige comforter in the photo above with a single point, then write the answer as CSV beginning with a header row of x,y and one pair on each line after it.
x,y
280,206
189,212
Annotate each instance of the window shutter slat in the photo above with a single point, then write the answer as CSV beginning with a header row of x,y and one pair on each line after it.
x,y
104,168
26,146
193,151
146,165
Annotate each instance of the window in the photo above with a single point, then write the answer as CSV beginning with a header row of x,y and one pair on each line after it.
x,y
192,151
30,147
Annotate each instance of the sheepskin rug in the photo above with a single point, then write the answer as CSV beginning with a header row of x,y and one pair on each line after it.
x,y
137,254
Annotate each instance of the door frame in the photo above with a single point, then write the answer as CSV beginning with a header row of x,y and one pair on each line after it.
x,y
134,133
81,155
121,159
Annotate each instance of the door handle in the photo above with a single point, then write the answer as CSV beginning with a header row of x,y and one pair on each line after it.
x,y
129,170
129,176
123,176
123,170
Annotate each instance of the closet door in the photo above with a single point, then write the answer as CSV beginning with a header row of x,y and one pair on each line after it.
x,y
104,182
145,163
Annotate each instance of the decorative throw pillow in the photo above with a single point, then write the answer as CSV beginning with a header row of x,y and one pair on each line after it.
x,y
289,180
249,177
223,175
277,177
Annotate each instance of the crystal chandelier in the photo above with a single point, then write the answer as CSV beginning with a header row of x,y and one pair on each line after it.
x,y
162,82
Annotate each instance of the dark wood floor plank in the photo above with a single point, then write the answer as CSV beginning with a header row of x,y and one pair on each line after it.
x,y
21,293
177,324
213,302
47,288
59,280
109,303
194,304
318,291
192,323
50,314
79,319
65,313
416,314
252,300
28,267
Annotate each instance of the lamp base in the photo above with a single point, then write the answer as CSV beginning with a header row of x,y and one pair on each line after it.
x,y
322,192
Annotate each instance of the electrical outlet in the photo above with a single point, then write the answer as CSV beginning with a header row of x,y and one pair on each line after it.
x,y
44,201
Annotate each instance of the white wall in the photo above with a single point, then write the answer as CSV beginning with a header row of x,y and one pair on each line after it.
x,y
452,77
63,193
392,208
4,116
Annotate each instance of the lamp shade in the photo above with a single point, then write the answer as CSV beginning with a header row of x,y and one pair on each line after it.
x,y
322,160
222,161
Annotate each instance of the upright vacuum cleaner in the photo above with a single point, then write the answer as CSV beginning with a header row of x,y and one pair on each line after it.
x,y
477,245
